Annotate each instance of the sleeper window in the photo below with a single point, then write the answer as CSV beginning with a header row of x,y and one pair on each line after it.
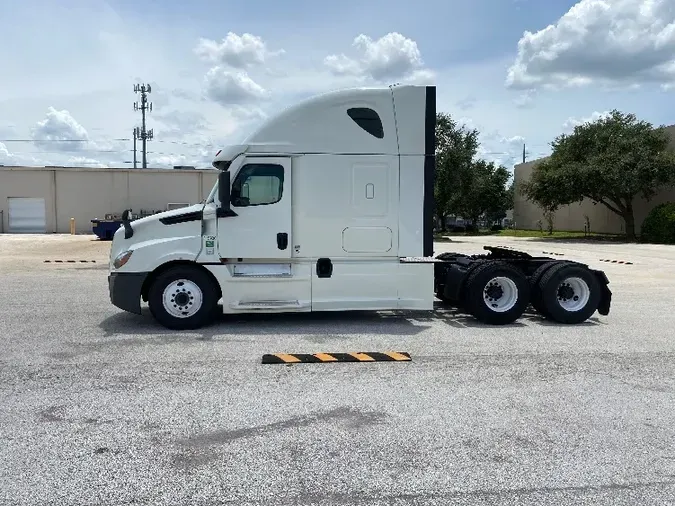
x,y
258,184
367,119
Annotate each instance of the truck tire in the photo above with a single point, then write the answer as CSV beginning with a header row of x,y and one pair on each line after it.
x,y
183,298
569,293
443,298
496,293
535,292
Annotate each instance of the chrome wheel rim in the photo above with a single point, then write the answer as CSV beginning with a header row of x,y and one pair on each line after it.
x,y
182,298
573,294
500,294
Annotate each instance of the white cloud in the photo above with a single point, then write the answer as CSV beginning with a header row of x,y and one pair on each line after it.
x,y
506,151
19,158
168,161
6,158
494,146
177,123
615,43
466,103
83,161
9,158
202,158
525,100
248,113
516,140
236,51
228,87
469,123
342,65
62,140
570,123
185,94
228,82
388,58
59,131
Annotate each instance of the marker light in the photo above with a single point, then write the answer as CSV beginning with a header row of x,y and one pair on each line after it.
x,y
122,259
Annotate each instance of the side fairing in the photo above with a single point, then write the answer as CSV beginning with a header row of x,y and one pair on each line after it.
x,y
416,128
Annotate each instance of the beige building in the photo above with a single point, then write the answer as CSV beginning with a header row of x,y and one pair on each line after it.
x,y
573,217
44,199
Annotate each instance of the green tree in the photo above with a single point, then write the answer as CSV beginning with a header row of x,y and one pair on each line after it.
x,y
456,147
609,161
508,202
484,192
510,196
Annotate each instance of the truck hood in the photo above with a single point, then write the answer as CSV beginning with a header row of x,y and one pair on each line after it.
x,y
141,222
150,228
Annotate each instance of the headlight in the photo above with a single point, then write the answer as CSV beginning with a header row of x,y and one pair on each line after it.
x,y
122,259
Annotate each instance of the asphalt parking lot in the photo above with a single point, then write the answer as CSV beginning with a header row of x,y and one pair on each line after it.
x,y
104,407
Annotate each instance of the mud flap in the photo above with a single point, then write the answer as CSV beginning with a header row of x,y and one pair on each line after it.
x,y
606,293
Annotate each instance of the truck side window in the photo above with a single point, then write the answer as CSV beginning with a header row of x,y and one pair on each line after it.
x,y
258,184
367,119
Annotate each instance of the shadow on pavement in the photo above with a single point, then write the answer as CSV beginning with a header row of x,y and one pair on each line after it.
x,y
402,323
346,322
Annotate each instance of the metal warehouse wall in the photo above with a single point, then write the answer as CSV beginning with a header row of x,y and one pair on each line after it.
x,y
572,218
86,193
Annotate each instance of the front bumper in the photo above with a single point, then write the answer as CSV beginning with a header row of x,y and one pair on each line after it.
x,y
125,290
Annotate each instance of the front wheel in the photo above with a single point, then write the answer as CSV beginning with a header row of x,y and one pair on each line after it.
x,y
183,298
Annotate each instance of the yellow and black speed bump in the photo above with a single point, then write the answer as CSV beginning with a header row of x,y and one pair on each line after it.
x,y
314,358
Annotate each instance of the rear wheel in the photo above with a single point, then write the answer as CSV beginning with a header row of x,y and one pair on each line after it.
x,y
569,293
535,293
183,298
496,293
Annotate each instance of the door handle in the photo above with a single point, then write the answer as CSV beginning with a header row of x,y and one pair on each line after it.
x,y
282,240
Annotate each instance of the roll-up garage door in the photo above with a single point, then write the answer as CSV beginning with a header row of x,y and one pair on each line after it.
x,y
27,215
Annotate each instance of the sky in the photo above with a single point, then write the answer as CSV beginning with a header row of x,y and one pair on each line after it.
x,y
520,71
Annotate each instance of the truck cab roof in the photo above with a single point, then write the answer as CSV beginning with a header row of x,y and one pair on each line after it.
x,y
388,120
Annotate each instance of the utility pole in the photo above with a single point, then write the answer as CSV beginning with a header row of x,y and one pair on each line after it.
x,y
145,135
137,135
523,152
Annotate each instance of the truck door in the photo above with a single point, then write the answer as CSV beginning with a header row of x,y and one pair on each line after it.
x,y
261,197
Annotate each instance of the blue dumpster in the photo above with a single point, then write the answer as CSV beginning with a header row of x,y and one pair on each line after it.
x,y
105,229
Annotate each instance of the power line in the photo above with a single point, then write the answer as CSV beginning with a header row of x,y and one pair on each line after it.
x,y
180,143
91,150
143,134
82,151
94,151
61,140
102,141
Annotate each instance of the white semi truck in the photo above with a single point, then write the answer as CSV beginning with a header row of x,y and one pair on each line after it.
x,y
328,206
